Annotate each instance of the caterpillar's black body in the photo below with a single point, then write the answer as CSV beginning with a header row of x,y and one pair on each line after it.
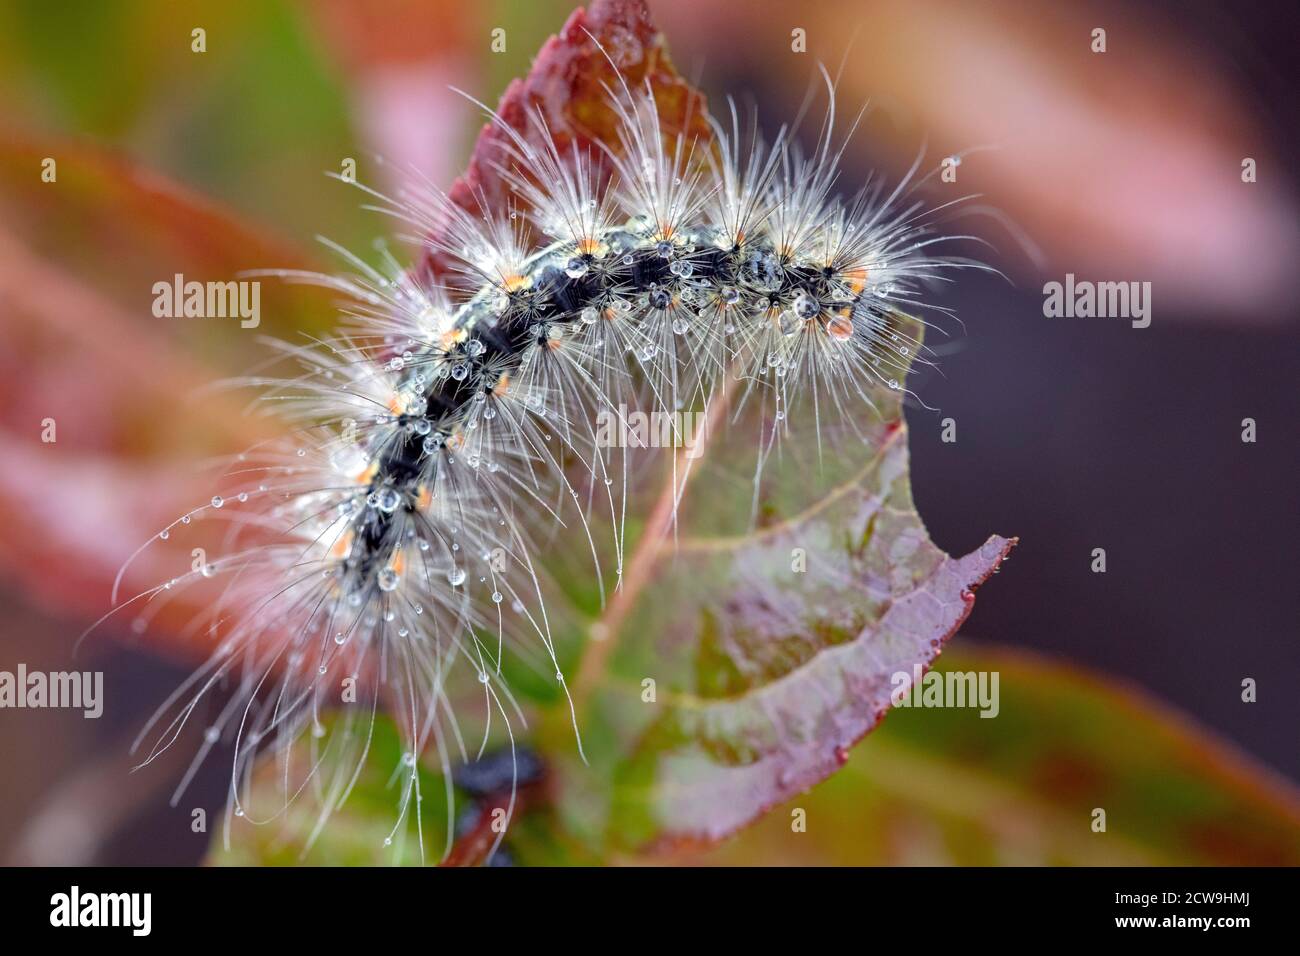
x,y
752,280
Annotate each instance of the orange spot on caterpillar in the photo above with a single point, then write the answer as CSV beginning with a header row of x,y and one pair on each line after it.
x,y
342,546
856,279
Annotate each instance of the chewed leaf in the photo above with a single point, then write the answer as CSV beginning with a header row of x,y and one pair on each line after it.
x,y
781,691
751,649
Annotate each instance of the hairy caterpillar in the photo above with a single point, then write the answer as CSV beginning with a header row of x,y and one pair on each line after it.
x,y
390,540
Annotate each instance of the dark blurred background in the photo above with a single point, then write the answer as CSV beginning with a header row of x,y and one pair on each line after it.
x,y
1072,433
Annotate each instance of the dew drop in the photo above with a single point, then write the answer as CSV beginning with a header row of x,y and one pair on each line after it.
x,y
840,328
805,306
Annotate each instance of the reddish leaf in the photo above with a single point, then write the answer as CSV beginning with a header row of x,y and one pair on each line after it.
x,y
569,85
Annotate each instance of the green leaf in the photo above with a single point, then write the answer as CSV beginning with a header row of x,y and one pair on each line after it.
x,y
770,649
280,831
945,786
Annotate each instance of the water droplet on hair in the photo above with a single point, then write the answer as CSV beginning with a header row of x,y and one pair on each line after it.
x,y
805,306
